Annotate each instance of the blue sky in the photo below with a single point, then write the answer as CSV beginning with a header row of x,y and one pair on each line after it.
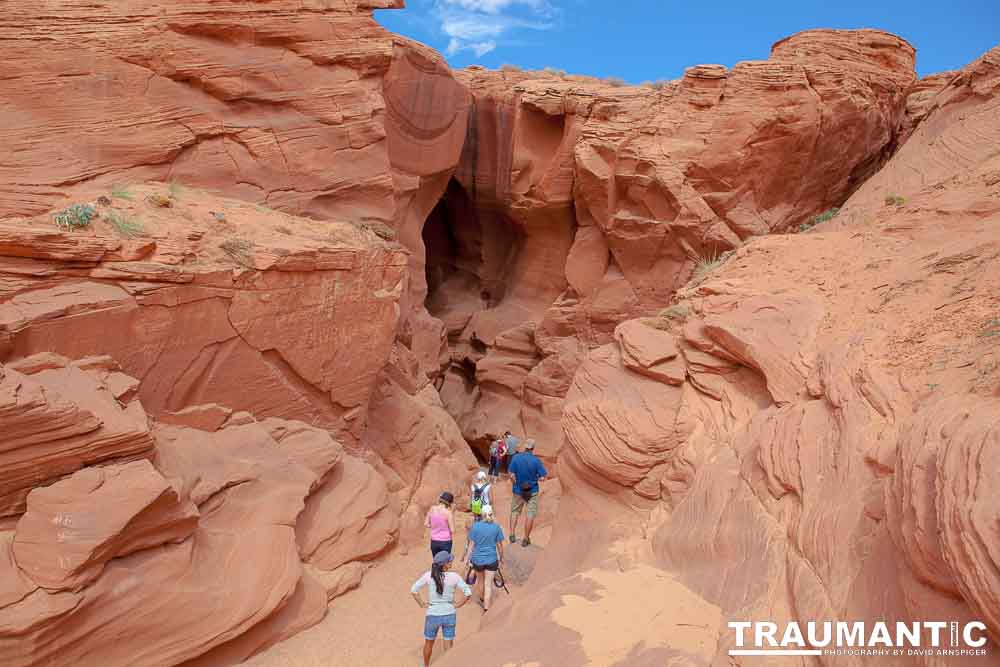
x,y
640,40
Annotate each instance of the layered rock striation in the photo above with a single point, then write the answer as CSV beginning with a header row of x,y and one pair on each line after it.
x,y
197,550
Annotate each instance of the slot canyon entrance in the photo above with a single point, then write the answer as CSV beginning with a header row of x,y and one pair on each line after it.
x,y
472,261
470,254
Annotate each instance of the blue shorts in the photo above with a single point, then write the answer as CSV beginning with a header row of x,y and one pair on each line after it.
x,y
445,623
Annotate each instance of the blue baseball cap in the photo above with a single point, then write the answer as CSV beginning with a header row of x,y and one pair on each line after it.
x,y
443,558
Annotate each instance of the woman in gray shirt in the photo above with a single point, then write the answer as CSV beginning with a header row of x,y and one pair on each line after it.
x,y
440,583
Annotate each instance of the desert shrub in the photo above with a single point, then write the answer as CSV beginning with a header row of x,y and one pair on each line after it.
x,y
176,189
121,191
507,67
219,216
991,329
379,229
76,216
239,250
615,81
126,226
817,219
894,200
160,200
678,311
660,84
705,265
552,71
656,323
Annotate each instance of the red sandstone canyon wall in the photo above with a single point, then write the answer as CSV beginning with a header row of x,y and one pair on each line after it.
x,y
322,264
205,357
612,197
809,431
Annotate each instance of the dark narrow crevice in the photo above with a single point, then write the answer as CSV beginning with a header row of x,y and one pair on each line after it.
x,y
471,253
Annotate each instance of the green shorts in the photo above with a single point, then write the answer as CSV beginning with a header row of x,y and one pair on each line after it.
x,y
517,503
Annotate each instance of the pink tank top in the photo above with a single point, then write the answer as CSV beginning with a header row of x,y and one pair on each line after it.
x,y
439,526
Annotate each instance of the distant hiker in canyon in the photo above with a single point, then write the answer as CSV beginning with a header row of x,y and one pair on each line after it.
x,y
510,445
526,471
480,494
439,519
441,608
485,553
497,450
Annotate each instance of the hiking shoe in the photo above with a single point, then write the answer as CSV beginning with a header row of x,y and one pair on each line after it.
x,y
526,542
513,538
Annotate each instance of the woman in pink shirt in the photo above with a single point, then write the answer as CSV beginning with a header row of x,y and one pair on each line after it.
x,y
440,522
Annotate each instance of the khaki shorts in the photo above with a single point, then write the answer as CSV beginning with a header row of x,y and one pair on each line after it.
x,y
517,504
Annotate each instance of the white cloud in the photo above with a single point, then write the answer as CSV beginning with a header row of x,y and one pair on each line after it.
x,y
472,27
482,48
479,48
480,25
497,6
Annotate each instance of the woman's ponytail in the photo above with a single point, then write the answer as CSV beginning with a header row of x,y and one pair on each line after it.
x,y
438,576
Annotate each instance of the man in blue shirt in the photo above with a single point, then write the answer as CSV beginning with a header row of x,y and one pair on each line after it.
x,y
526,471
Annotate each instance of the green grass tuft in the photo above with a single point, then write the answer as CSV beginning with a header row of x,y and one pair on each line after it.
x,y
239,250
176,189
706,265
76,216
894,200
121,191
128,227
817,219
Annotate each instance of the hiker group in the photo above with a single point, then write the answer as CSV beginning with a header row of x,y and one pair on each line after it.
x,y
502,452
484,545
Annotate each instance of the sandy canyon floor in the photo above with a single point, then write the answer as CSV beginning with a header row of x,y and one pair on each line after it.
x,y
378,625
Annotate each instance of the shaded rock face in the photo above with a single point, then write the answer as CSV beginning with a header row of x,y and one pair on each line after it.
x,y
614,195
809,432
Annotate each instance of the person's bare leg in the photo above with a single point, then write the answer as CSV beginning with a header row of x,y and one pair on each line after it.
x,y
529,522
428,650
488,585
448,643
514,516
